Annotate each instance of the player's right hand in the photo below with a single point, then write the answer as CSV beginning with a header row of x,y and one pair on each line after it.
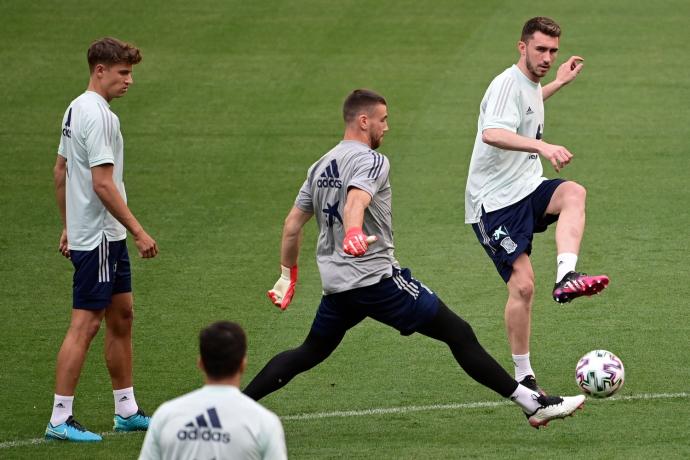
x,y
558,156
356,242
146,245
284,289
63,246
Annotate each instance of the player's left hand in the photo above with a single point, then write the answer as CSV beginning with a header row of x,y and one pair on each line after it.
x,y
569,69
356,242
284,289
63,247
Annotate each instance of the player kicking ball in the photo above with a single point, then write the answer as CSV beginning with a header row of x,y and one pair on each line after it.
x,y
507,200
349,193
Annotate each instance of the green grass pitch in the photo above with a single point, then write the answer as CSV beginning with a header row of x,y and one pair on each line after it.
x,y
234,100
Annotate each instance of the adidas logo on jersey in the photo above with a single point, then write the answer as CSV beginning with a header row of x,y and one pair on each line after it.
x,y
67,131
199,429
330,177
529,110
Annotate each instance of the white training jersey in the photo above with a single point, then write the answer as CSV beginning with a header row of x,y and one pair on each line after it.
x,y
214,422
90,137
498,178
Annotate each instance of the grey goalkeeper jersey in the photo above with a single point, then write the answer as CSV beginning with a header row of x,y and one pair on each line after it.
x,y
324,193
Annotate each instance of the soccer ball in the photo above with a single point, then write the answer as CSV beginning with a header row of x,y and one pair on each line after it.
x,y
600,373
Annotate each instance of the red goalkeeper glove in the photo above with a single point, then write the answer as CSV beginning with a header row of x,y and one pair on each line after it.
x,y
284,289
356,242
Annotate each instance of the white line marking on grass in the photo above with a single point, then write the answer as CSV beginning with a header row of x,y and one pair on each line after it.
x,y
384,411
457,406
393,410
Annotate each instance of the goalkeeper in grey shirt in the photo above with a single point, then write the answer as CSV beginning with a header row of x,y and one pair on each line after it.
x,y
349,192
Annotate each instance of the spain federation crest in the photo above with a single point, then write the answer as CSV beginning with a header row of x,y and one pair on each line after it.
x,y
509,245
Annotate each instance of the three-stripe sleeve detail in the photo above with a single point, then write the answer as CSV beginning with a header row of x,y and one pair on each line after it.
x,y
375,169
106,118
502,98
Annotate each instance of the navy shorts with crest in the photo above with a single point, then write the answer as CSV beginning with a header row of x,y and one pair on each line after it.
x,y
99,274
400,301
506,233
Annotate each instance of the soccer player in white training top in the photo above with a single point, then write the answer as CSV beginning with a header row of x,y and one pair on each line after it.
x,y
507,200
216,421
93,206
349,193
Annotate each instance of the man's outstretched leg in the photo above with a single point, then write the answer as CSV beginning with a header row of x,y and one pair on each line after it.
x,y
286,365
449,328
568,202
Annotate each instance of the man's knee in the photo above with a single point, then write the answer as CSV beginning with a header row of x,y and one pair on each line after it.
x,y
449,327
522,288
577,194
84,327
466,332
120,314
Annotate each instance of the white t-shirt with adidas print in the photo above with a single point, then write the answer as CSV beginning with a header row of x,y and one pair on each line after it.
x,y
498,178
90,137
214,422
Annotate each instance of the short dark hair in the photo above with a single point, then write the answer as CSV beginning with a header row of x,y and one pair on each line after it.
x,y
223,346
111,51
542,24
360,100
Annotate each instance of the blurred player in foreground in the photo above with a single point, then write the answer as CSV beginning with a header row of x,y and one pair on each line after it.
x,y
349,193
506,198
216,421
93,206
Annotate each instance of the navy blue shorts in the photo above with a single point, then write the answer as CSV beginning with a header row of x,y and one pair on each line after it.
x,y
507,233
400,301
99,274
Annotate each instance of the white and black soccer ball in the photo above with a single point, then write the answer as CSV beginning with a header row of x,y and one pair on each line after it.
x,y
600,373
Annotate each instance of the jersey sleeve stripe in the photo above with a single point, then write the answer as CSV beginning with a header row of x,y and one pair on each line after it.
x,y
371,170
500,96
376,167
380,167
501,107
106,125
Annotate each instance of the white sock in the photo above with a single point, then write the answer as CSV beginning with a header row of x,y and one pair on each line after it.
x,y
565,263
525,398
62,409
523,368
125,404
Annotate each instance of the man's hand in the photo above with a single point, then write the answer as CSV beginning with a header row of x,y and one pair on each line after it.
x,y
284,289
356,242
569,70
557,155
63,247
146,245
